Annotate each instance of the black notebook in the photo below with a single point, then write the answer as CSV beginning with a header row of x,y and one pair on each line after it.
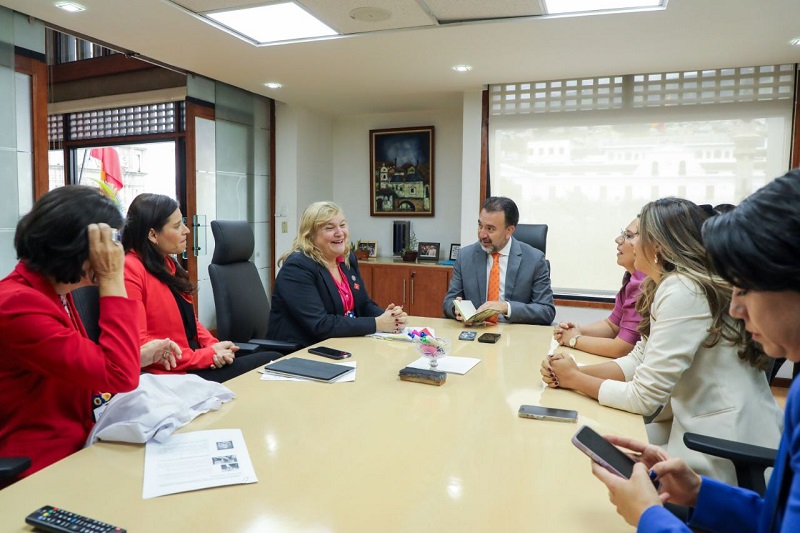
x,y
297,367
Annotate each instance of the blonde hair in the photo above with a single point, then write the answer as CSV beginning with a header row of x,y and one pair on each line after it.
x,y
313,218
673,226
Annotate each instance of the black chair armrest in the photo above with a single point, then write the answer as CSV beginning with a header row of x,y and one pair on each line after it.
x,y
728,449
749,461
246,348
275,346
11,466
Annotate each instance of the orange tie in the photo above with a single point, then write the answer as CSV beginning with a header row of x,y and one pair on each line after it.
x,y
493,294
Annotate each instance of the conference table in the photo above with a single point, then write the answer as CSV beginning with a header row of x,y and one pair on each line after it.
x,y
374,455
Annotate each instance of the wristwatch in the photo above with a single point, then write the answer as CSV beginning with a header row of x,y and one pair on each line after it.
x,y
574,340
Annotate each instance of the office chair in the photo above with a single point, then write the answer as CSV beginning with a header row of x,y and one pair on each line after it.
x,y
239,297
87,302
12,466
533,234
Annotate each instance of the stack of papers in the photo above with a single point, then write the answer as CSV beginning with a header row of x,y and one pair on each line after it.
x,y
300,369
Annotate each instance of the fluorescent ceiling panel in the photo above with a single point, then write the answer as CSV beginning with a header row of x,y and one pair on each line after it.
x,y
556,7
272,23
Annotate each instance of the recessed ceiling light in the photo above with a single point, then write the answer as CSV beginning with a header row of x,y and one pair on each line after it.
x,y
795,42
273,85
557,7
271,23
462,68
72,7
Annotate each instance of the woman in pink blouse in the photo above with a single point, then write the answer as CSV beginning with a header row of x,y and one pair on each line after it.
x,y
616,335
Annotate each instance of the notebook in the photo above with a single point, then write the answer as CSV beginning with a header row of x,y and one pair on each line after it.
x,y
307,369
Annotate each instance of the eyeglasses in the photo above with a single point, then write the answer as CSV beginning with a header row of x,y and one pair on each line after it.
x,y
626,235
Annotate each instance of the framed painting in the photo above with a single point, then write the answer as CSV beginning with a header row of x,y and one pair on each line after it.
x,y
401,172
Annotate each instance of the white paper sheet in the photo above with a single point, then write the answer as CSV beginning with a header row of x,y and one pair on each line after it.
x,y
403,335
449,364
197,460
347,377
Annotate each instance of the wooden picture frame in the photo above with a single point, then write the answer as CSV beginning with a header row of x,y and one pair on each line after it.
x,y
454,249
428,251
401,168
371,247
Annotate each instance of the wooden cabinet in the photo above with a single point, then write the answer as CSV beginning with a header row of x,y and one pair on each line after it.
x,y
419,288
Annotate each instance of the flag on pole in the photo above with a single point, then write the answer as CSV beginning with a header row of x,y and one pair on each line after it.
x,y
110,171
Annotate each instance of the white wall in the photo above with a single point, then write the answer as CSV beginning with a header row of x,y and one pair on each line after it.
x,y
303,167
351,177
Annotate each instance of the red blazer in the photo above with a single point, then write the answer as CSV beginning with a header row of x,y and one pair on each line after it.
x,y
50,369
159,317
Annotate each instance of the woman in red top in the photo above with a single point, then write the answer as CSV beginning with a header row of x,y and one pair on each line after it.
x,y
154,233
50,369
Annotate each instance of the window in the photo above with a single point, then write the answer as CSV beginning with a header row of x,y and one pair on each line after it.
x,y
712,136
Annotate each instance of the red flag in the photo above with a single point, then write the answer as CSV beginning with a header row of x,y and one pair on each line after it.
x,y
110,171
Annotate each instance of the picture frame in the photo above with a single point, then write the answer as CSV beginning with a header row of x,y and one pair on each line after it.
x,y
454,249
428,251
371,247
401,169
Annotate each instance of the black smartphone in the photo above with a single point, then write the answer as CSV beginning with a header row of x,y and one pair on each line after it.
x,y
489,337
548,413
330,353
467,335
603,452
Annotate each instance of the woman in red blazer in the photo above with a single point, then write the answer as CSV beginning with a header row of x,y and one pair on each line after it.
x,y
50,369
154,233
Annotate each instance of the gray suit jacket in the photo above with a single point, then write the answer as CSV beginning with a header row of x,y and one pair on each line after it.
x,y
527,288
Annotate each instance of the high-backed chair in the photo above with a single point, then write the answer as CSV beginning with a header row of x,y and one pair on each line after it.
x,y
241,303
532,234
87,302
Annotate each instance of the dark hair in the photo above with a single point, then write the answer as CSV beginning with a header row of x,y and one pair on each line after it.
x,y
757,245
495,204
53,237
152,211
721,209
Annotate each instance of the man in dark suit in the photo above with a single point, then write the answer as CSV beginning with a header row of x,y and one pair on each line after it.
x,y
524,295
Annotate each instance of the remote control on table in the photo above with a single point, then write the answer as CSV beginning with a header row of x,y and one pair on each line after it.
x,y
50,518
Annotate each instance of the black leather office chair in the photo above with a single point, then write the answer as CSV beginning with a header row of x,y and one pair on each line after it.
x,y
12,466
239,297
532,234
87,302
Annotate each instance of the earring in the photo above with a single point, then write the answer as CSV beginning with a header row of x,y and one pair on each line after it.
x,y
655,260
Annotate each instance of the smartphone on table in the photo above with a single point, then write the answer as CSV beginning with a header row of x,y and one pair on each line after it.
x,y
603,452
491,338
467,335
547,413
330,353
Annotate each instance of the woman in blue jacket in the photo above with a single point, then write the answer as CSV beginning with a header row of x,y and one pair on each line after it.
x,y
756,247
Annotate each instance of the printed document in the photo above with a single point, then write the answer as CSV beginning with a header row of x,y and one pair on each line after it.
x,y
197,460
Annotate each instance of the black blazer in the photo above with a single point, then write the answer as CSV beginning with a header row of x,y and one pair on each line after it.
x,y
307,308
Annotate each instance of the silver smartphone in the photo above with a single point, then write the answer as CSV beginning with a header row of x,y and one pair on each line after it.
x,y
547,413
603,452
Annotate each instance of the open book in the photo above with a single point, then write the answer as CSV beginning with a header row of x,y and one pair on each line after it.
x,y
469,314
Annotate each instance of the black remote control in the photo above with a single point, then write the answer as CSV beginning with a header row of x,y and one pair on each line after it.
x,y
50,518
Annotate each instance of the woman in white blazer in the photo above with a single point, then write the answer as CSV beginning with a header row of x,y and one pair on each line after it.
x,y
694,362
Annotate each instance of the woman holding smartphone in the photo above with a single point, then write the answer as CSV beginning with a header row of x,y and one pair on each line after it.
x,y
756,248
694,369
